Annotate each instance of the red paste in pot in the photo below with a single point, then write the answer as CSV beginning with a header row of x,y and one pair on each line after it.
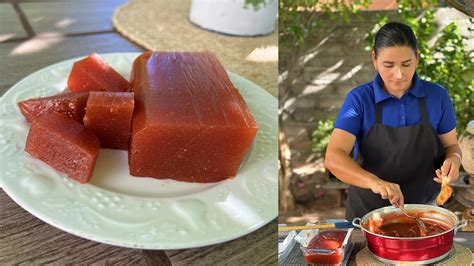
x,y
402,226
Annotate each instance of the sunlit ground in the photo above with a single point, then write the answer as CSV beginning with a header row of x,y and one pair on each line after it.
x,y
264,54
304,216
38,43
4,37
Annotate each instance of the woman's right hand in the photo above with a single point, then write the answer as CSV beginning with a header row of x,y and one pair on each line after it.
x,y
387,190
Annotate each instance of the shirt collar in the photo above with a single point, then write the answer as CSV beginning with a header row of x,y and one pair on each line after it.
x,y
416,88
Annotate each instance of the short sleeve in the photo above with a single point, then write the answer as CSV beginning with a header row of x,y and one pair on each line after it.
x,y
350,115
448,116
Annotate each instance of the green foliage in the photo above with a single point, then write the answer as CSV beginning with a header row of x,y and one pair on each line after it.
x,y
446,62
295,26
297,21
255,4
320,136
453,68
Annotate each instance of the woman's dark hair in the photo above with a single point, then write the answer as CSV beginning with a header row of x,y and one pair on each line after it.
x,y
395,34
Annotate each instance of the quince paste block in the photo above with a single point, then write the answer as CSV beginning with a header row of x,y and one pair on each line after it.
x,y
71,104
109,116
64,144
94,74
190,122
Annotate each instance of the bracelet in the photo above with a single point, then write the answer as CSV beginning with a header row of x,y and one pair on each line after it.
x,y
457,155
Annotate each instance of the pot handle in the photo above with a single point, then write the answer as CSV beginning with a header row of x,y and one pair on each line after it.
x,y
356,223
460,224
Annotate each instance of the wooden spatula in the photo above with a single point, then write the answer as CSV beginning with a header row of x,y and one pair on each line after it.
x,y
316,226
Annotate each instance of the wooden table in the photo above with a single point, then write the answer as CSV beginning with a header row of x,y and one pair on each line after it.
x,y
295,257
33,35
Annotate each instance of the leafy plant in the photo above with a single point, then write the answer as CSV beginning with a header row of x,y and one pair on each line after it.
x,y
446,62
255,4
453,68
320,136
297,19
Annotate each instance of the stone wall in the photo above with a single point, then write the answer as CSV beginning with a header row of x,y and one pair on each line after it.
x,y
335,63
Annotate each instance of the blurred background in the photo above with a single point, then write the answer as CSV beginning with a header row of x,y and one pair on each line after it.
x,y
324,52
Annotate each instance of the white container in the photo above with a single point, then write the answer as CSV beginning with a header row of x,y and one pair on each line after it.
x,y
230,16
466,143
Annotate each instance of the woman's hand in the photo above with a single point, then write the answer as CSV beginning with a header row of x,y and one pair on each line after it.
x,y
450,168
452,162
387,190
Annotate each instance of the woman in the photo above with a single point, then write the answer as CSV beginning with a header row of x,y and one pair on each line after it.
x,y
402,130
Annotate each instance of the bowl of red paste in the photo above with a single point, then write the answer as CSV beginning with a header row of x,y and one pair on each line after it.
x,y
326,247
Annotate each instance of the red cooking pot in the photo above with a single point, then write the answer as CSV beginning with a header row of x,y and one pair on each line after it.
x,y
419,249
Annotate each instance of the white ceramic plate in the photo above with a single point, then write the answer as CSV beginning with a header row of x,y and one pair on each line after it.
x,y
118,209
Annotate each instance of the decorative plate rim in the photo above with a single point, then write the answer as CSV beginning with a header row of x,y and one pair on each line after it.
x,y
24,168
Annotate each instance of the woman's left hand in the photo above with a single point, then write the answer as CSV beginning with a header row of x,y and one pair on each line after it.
x,y
450,168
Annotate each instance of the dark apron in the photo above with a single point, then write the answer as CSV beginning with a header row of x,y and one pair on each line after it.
x,y
407,156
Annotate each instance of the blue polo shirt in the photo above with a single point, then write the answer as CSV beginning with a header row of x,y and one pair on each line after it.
x,y
357,114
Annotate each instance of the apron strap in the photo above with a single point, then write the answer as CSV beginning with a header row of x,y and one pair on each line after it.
x,y
378,113
423,111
